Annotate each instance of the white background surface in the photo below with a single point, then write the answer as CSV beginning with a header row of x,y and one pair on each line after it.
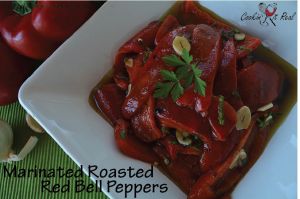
x,y
57,96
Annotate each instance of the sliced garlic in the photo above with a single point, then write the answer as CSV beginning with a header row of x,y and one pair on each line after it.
x,y
239,36
33,124
166,161
183,138
239,160
265,107
128,89
6,140
180,43
243,118
128,62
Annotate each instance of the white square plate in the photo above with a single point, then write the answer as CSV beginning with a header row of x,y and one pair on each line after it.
x,y
57,96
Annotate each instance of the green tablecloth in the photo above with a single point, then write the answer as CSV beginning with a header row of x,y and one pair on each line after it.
x,y
47,154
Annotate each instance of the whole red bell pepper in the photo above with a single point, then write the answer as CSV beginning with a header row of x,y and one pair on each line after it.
x,y
37,29
14,69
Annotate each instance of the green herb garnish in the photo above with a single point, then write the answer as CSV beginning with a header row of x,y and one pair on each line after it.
x,y
221,117
174,82
123,134
244,48
265,121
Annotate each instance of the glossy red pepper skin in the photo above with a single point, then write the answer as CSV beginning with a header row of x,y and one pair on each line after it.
x,y
5,9
14,69
259,84
145,84
171,115
129,145
136,47
57,20
206,51
226,78
144,124
169,24
20,35
109,100
221,131
39,33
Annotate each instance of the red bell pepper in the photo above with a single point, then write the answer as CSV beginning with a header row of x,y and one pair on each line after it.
x,y
36,30
14,69
58,20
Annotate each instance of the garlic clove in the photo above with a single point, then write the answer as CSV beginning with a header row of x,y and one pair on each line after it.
x,y
32,123
128,62
183,138
30,144
128,90
265,107
243,118
6,140
239,160
180,43
239,36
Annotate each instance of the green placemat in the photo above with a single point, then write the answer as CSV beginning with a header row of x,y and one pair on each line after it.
x,y
46,155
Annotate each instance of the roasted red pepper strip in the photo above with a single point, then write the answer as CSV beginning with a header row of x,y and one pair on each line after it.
x,y
170,23
190,13
109,100
129,145
145,84
221,131
57,20
206,44
173,148
246,46
216,152
182,170
141,42
20,35
14,69
259,84
143,124
204,187
182,118
226,78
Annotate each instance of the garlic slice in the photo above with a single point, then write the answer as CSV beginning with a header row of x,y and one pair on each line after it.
x,y
32,123
183,138
265,107
180,43
239,36
243,118
128,89
128,62
6,140
30,144
239,160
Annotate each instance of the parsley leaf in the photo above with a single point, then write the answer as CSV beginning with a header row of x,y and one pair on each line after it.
x,y
173,60
186,56
174,82
177,91
123,134
168,75
162,90
221,117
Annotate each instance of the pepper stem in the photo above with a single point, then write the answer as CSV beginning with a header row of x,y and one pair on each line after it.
x,y
23,7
